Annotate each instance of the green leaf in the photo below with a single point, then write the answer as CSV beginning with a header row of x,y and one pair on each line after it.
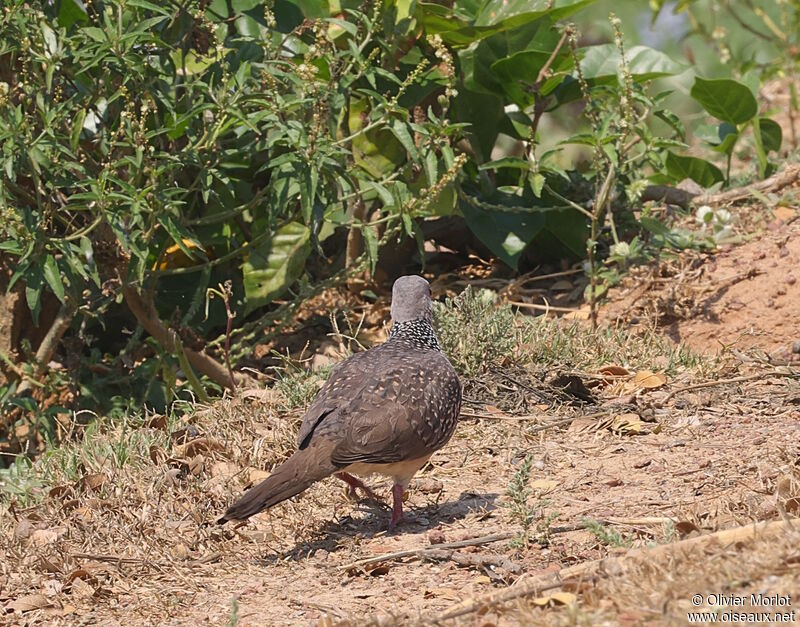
x,y
371,242
771,134
537,182
725,99
181,236
400,130
309,180
506,234
143,4
384,194
71,11
656,227
431,167
270,269
77,127
459,27
728,135
601,63
702,172
53,277
33,290
378,152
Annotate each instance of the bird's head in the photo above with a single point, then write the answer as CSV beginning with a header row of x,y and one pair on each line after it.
x,y
411,299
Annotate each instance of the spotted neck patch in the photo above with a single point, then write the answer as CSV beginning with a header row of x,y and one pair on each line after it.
x,y
419,333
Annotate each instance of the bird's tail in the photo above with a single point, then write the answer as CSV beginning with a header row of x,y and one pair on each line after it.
x,y
290,478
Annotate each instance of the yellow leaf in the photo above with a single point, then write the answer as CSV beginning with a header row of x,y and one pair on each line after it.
x,y
581,314
559,598
563,598
545,485
649,380
629,424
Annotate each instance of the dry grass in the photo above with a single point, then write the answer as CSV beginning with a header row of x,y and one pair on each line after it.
x,y
117,525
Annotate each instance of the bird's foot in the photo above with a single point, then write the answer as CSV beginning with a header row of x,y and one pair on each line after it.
x,y
355,484
397,506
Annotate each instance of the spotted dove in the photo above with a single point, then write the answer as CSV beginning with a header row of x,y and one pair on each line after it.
x,y
385,410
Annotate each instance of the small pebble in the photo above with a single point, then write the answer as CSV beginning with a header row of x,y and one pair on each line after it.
x,y
796,346
436,536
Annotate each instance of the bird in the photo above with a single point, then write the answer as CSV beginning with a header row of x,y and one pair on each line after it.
x,y
385,410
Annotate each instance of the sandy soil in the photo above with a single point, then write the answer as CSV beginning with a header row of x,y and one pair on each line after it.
x,y
744,296
650,463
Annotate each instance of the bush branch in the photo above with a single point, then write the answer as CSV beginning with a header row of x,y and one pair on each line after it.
x,y
144,310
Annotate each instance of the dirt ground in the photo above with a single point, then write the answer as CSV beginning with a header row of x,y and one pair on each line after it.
x,y
742,297
653,462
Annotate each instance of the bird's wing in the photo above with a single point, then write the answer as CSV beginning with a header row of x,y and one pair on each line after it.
x,y
343,383
401,417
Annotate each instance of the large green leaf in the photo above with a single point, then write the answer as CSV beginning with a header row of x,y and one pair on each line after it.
x,y
495,16
505,233
511,13
486,68
484,113
377,151
601,63
564,232
725,99
71,11
272,267
702,172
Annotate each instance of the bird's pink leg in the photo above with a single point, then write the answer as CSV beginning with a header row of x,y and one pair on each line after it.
x,y
354,483
397,505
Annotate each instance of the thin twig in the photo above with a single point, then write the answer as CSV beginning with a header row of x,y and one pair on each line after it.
x,y
420,552
742,379
473,560
48,345
589,571
543,307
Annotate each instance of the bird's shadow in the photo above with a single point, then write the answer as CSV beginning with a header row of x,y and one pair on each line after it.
x,y
416,521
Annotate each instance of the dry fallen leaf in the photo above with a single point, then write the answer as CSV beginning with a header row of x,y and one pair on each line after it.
x,y
224,469
646,379
197,465
42,537
79,573
581,424
582,314
24,529
557,598
256,475
627,424
93,481
29,602
201,445
60,492
784,214
81,589
612,370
